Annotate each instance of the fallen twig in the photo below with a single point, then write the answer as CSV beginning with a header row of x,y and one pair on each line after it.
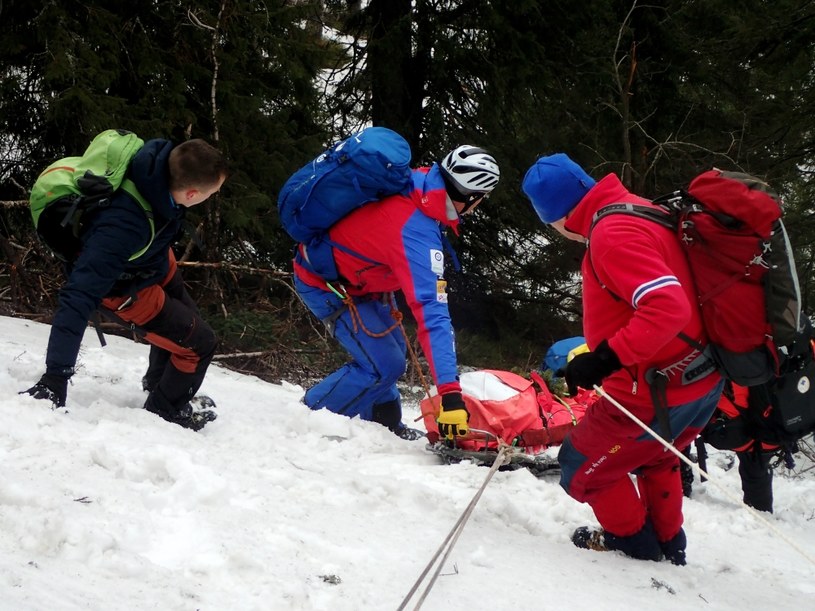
x,y
234,266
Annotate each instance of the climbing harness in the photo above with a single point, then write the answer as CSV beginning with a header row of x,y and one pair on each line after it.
x,y
358,324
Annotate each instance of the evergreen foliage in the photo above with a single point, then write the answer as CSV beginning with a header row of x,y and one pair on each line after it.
x,y
655,92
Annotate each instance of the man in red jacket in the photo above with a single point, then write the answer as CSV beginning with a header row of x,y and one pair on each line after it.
x,y
638,299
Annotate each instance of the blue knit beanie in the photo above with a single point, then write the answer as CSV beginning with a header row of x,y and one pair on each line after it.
x,y
555,184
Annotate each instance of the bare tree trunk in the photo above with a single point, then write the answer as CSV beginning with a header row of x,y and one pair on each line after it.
x,y
393,77
212,221
624,91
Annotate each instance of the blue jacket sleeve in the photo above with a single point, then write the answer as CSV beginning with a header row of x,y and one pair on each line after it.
x,y
421,270
113,235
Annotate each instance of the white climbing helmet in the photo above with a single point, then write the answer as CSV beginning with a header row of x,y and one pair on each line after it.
x,y
470,170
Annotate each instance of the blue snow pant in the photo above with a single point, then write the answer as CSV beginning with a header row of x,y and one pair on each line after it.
x,y
378,362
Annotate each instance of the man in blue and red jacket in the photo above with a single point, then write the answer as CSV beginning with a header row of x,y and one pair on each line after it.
x,y
396,244
638,298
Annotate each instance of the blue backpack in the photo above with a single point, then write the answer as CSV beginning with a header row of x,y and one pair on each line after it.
x,y
363,168
557,357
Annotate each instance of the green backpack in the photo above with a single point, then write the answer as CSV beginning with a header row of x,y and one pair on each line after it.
x,y
71,187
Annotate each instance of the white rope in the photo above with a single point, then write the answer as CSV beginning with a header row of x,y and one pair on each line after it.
x,y
452,536
698,469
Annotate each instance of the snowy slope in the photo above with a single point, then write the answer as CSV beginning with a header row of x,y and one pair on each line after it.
x,y
105,506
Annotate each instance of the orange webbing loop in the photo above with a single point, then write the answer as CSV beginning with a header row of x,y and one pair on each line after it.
x,y
356,319
397,316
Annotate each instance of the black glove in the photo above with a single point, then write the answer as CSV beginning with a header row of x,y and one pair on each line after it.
x,y
587,369
52,387
453,416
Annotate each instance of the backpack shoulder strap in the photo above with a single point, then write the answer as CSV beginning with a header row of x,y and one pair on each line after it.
x,y
130,188
663,218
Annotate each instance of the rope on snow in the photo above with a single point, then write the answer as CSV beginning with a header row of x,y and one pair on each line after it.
x,y
453,536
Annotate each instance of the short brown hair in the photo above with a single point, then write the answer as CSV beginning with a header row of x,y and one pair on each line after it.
x,y
194,164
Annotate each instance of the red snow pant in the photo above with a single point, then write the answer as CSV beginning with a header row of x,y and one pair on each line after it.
x,y
182,343
606,446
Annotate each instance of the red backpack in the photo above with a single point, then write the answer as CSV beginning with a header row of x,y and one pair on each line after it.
x,y
506,406
741,260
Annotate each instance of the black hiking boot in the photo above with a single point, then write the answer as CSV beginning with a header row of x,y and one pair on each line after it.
x,y
193,415
148,385
586,538
686,472
407,433
202,403
642,545
756,479
674,549
157,364
389,414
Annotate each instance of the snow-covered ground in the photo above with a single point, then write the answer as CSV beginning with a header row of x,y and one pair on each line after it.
x,y
273,506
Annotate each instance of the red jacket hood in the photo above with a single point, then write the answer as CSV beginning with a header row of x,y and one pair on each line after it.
x,y
430,196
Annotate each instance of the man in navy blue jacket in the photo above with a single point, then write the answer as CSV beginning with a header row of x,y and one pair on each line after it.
x,y
146,292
